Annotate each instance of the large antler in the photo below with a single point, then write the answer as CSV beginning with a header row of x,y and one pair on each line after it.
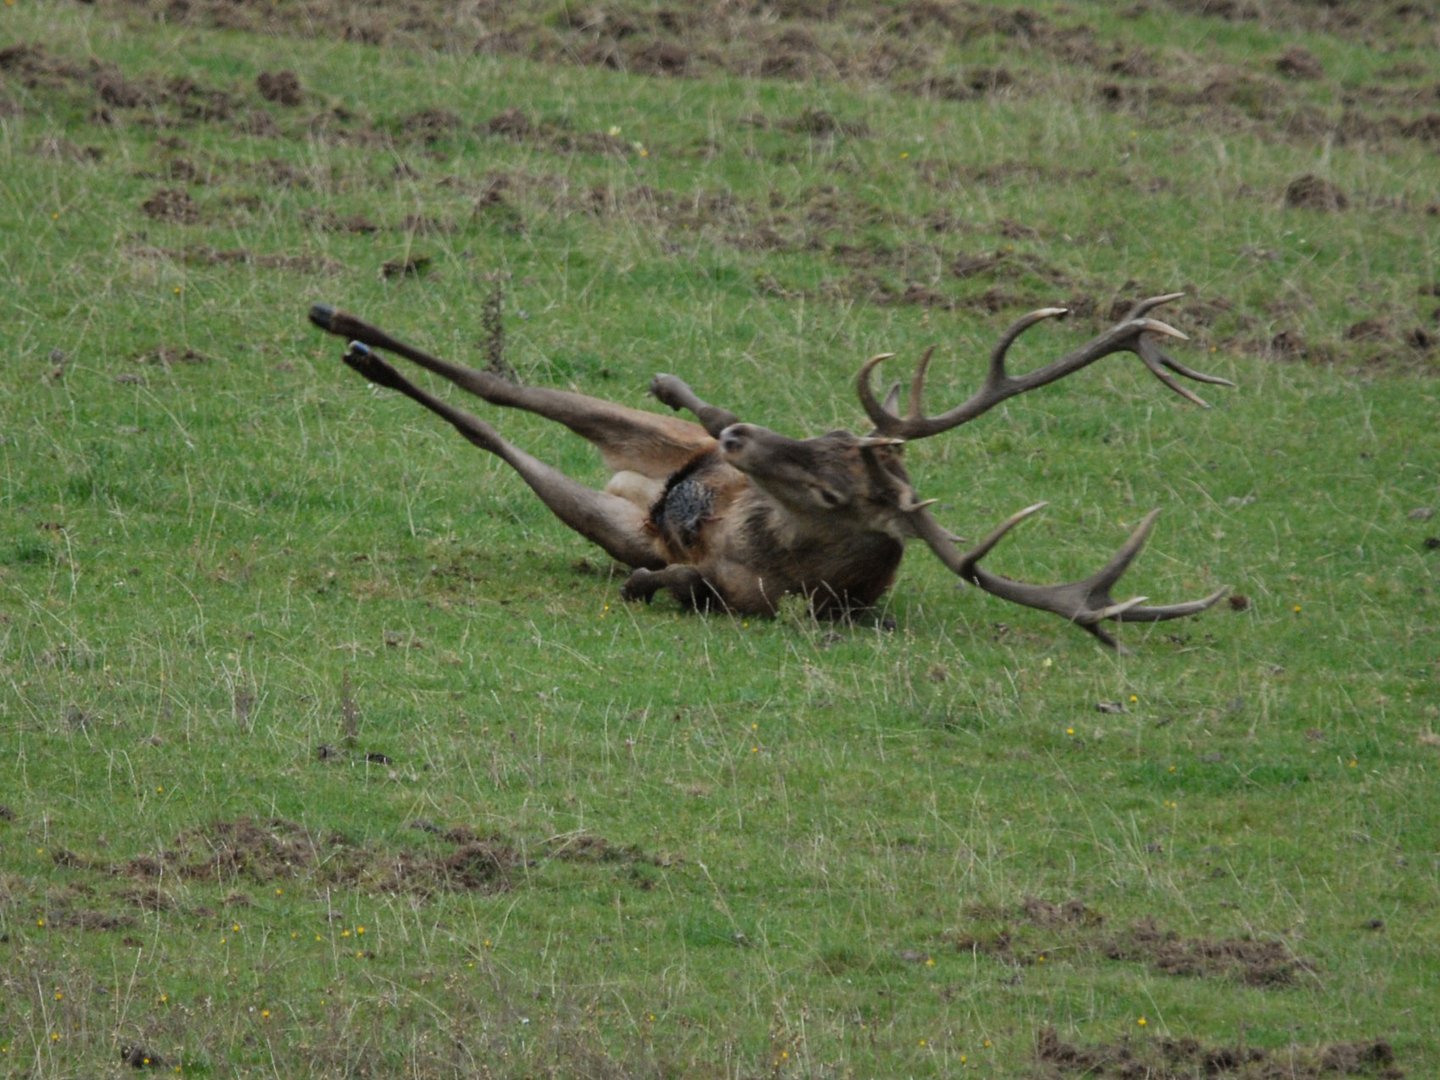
x,y
1087,602
1135,333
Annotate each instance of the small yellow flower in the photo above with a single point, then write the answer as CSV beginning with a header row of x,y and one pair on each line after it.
x,y
1142,1022
929,961
1069,731
1354,763
987,1044
1296,609
922,1042
904,154
1133,699
344,933
40,922
487,943
1171,769
59,996
235,928
159,789
360,930
963,1059
164,999
54,1036
264,1014
1040,959
614,131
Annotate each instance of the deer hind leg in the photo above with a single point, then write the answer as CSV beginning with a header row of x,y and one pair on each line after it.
x,y
617,524
645,444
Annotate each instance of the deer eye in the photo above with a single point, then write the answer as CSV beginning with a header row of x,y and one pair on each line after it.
x,y
829,496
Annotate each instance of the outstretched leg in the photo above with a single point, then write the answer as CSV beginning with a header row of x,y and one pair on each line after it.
x,y
629,440
616,524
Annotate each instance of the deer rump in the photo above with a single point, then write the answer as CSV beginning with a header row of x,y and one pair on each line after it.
x,y
730,515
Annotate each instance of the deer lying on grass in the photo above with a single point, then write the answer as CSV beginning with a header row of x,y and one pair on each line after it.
x,y
731,515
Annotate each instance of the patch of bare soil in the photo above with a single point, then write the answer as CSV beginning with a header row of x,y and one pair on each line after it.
x,y
281,87
1188,1059
1078,928
205,255
1255,963
1310,192
1298,62
245,851
172,204
171,355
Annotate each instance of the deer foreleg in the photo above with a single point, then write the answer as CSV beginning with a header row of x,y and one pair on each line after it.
x,y
677,394
616,524
686,582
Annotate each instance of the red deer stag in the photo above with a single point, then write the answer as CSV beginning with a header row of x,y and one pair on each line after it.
x,y
733,515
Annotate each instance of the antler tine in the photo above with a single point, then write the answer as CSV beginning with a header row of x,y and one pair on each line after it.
x,y
880,415
965,567
1144,307
998,375
892,398
1110,573
917,384
1157,360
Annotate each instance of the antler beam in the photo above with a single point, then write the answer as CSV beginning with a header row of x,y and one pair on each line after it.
x,y
1135,333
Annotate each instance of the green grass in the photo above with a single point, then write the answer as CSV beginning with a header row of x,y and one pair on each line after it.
x,y
317,664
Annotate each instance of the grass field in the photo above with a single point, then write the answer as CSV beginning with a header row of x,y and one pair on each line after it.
x,y
327,751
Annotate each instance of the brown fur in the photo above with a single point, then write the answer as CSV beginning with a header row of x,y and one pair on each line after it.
x,y
742,517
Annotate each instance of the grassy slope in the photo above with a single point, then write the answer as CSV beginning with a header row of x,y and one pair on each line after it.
x,y
699,845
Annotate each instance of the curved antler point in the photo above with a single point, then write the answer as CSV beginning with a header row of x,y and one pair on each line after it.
x,y
1155,326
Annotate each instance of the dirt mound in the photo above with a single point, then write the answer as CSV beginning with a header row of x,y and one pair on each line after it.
x,y
260,852
281,87
1255,963
1310,192
1076,928
172,204
1183,1059
245,850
